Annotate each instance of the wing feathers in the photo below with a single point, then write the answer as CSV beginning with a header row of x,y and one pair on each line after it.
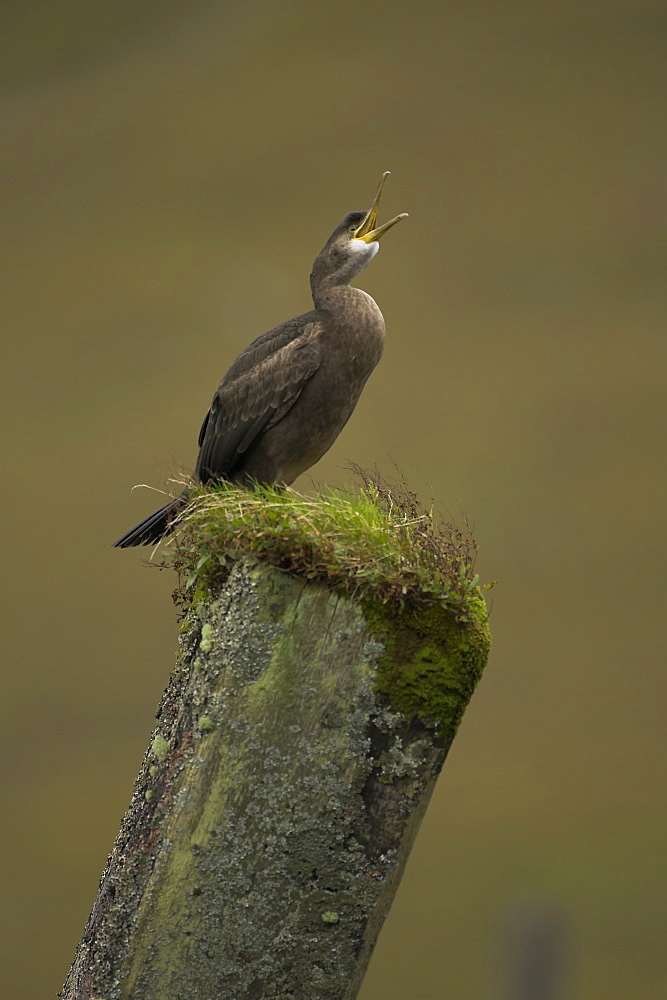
x,y
257,391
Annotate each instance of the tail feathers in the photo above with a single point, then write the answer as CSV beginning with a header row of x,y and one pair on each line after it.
x,y
152,528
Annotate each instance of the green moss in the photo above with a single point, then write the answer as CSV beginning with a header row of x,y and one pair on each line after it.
x,y
431,662
160,747
204,724
330,917
148,795
380,543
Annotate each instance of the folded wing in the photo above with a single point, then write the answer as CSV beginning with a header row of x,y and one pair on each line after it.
x,y
257,391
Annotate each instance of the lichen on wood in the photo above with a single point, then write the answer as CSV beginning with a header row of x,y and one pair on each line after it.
x,y
297,746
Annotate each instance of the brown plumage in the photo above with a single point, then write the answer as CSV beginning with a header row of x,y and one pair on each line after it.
x,y
286,398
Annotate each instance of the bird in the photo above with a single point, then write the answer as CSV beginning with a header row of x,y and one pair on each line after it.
x,y
286,398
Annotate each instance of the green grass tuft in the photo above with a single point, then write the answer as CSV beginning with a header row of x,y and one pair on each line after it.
x,y
377,543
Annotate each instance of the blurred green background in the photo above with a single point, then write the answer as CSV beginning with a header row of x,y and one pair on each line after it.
x,y
169,171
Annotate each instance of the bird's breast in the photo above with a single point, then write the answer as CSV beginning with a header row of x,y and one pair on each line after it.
x,y
353,334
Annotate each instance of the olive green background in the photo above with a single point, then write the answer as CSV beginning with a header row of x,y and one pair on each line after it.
x,y
169,170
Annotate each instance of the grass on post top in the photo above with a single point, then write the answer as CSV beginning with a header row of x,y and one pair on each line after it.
x,y
377,543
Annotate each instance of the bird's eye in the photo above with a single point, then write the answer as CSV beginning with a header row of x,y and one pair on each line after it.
x,y
352,229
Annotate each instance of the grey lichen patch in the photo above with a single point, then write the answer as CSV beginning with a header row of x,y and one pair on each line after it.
x,y
373,649
400,761
160,747
225,639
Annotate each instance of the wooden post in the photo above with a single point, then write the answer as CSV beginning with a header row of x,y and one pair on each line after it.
x,y
298,744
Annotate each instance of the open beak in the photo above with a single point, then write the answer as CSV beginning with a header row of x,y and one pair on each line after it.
x,y
367,231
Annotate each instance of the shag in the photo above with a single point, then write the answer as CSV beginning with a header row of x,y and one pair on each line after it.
x,y
286,398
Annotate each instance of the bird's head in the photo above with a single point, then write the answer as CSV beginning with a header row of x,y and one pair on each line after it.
x,y
352,245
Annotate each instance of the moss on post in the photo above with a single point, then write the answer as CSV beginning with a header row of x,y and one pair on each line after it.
x,y
297,747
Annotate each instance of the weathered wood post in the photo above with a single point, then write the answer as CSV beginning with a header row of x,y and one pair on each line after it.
x,y
297,746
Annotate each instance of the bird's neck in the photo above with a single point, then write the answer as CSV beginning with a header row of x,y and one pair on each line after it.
x,y
337,299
